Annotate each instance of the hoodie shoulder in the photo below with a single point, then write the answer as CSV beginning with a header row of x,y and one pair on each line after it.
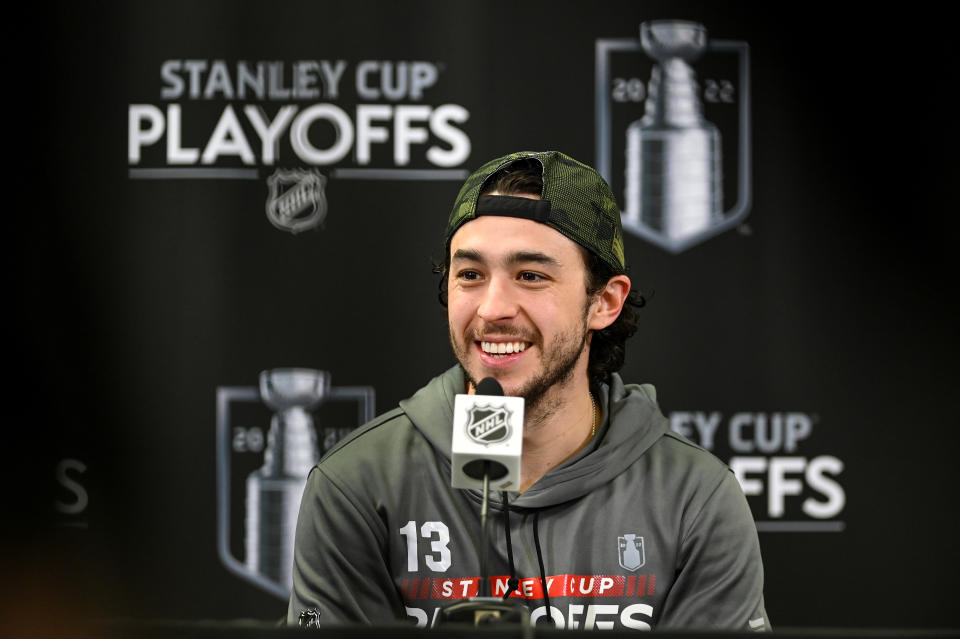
x,y
419,423
665,436
666,450
390,418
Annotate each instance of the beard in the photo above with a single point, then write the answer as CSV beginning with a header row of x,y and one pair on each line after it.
x,y
557,364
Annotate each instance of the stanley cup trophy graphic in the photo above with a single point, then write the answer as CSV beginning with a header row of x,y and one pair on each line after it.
x,y
669,166
275,489
673,159
272,492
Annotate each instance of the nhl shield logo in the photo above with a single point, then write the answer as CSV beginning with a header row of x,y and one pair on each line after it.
x,y
488,424
296,201
630,552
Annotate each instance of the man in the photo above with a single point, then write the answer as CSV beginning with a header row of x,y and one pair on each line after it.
x,y
619,522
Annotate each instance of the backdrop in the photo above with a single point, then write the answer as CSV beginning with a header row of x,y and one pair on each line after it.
x,y
206,191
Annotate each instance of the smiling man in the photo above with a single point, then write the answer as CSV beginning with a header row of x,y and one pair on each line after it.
x,y
619,522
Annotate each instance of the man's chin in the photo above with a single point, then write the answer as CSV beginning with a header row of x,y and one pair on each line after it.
x,y
511,386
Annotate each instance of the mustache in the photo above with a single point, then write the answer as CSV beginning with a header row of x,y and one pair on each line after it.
x,y
509,331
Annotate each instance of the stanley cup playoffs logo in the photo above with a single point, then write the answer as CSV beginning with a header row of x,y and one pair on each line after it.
x,y
334,118
262,471
673,131
630,551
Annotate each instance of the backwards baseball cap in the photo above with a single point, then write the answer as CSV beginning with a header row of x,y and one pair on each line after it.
x,y
575,201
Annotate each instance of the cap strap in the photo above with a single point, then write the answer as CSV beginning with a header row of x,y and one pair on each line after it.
x,y
509,206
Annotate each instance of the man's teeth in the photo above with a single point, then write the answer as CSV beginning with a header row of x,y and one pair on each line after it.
x,y
502,348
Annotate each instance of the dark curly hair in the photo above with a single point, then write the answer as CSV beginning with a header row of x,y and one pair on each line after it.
x,y
608,345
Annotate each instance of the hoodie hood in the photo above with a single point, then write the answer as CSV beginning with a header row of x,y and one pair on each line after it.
x,y
632,423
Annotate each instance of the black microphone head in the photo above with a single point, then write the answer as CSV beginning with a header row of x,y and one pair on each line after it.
x,y
489,386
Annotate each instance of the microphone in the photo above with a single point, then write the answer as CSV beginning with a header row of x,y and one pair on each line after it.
x,y
487,438
487,443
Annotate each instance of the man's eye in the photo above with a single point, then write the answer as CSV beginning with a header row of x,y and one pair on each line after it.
x,y
527,276
470,276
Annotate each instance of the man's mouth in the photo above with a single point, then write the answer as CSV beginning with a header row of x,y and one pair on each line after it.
x,y
502,349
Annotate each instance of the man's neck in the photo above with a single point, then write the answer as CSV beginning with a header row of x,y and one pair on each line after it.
x,y
561,424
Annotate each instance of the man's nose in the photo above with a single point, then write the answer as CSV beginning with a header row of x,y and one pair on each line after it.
x,y
499,300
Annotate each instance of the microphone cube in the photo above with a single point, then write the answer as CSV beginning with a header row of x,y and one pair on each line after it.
x,y
487,437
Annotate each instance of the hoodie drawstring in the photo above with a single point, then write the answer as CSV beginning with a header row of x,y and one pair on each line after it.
x,y
543,573
513,583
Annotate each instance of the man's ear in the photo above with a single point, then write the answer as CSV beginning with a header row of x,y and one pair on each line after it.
x,y
608,302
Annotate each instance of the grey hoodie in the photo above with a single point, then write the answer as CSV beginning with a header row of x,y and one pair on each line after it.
x,y
642,529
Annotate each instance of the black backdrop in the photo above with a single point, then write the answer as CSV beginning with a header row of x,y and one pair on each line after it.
x,y
134,300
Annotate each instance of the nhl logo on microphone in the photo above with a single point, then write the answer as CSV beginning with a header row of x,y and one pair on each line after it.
x,y
488,424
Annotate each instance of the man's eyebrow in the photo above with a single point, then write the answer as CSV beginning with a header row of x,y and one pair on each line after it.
x,y
519,257
466,254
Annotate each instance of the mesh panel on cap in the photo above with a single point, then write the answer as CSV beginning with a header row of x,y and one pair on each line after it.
x,y
583,207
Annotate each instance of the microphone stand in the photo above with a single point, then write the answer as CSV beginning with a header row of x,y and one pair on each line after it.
x,y
486,589
485,609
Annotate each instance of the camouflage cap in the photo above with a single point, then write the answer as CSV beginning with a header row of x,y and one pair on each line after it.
x,y
575,201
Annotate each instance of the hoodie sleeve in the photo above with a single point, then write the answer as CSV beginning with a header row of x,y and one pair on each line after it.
x,y
340,564
719,583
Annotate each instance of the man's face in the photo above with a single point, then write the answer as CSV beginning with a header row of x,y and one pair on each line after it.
x,y
517,305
